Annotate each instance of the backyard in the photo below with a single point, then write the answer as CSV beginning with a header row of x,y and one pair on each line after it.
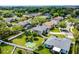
x,y
55,30
21,40
6,49
43,50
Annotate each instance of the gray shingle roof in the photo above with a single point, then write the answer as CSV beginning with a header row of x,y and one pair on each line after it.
x,y
9,19
60,43
23,23
40,28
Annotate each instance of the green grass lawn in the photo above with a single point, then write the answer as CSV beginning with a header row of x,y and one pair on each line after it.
x,y
6,49
22,50
55,30
43,51
39,42
21,40
74,30
60,36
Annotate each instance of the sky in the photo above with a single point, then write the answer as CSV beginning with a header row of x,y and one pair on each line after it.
x,y
37,2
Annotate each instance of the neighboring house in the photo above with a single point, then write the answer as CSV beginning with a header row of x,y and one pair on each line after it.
x,y
59,18
40,29
58,45
56,20
34,14
49,25
24,23
10,19
47,15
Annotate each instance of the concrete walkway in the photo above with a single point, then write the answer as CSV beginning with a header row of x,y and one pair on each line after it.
x,y
13,50
16,36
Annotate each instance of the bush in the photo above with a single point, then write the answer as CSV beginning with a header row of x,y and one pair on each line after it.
x,y
36,39
40,48
19,51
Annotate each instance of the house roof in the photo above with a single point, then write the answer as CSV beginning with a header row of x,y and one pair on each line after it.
x,y
47,14
34,14
58,18
48,24
23,23
60,43
39,28
9,19
54,22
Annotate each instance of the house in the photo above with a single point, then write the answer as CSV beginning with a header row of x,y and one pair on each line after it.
x,y
10,19
24,23
34,14
49,25
58,45
40,29
47,15
56,20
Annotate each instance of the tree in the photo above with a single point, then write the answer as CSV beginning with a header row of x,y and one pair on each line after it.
x,y
36,39
62,24
0,50
76,35
4,30
17,28
55,14
7,14
1,18
38,20
19,51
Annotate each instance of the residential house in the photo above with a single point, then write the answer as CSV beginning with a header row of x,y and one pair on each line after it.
x,y
34,14
40,29
10,19
56,20
47,15
24,23
58,45
49,25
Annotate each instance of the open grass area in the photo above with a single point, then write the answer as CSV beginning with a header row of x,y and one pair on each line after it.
x,y
60,36
39,42
22,51
43,51
55,30
6,49
74,30
21,40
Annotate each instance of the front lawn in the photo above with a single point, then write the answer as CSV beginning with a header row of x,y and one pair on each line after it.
x,y
21,51
39,42
21,40
55,30
6,49
59,35
43,51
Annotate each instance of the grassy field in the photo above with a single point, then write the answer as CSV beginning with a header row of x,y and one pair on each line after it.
x,y
6,49
21,40
22,50
39,42
60,36
43,51
55,30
